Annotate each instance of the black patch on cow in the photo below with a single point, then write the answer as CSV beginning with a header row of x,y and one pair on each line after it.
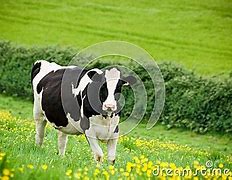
x,y
91,103
84,123
95,76
57,97
87,139
35,70
44,81
118,90
103,92
51,98
72,104
116,129
117,93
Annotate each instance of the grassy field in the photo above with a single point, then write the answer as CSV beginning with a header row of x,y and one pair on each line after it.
x,y
196,34
139,153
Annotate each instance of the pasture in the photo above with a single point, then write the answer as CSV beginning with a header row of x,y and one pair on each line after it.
x,y
139,153
196,34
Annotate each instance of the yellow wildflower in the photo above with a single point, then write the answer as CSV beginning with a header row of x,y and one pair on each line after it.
x,y
6,172
144,168
172,165
96,172
111,167
112,171
68,172
5,178
126,174
21,169
44,167
30,166
106,174
77,175
149,172
149,164
2,154
220,165
86,178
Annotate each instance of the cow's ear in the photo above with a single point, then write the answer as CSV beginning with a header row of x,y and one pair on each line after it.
x,y
94,76
129,80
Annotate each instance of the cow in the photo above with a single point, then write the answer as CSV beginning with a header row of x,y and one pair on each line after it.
x,y
78,101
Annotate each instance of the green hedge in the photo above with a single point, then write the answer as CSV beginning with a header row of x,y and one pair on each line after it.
x,y
192,102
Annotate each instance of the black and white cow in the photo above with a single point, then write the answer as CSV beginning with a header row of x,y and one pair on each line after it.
x,y
78,101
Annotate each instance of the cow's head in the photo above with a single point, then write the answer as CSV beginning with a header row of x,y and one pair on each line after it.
x,y
111,88
103,91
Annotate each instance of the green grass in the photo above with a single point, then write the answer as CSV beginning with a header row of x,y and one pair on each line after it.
x,y
158,144
197,34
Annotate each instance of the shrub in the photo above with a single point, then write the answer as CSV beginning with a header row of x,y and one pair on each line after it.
x,y
192,102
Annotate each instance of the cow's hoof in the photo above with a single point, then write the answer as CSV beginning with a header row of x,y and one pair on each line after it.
x,y
112,162
38,141
61,154
99,159
38,144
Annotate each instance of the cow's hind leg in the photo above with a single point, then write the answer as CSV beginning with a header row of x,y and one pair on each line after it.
x,y
40,129
40,123
62,141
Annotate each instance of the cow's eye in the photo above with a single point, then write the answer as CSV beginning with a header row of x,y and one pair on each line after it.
x,y
103,92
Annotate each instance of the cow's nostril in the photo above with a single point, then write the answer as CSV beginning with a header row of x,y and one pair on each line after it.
x,y
109,106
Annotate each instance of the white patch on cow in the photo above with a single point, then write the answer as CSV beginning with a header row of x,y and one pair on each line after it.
x,y
85,80
112,77
102,128
73,127
45,68
82,107
96,70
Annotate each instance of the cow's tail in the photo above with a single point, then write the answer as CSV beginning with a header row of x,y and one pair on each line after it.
x,y
35,69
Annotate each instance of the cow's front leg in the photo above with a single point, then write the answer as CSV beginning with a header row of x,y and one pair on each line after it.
x,y
97,151
62,141
111,145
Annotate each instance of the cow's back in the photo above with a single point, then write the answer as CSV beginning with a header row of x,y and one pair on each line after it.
x,y
40,69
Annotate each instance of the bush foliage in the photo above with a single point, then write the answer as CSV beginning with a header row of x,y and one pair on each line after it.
x,y
192,102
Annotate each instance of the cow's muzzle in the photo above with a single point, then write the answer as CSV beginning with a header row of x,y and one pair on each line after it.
x,y
109,107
